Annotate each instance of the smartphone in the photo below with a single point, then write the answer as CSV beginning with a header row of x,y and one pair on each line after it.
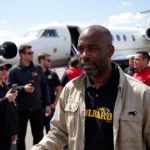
x,y
31,82
14,88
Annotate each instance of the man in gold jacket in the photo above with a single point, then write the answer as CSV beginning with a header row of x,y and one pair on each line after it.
x,y
103,109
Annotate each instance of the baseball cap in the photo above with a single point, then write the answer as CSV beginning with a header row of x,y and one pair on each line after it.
x,y
3,63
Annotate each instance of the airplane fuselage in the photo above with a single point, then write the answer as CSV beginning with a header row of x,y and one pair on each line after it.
x,y
57,38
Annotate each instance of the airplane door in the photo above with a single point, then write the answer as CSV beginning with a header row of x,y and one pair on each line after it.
x,y
74,33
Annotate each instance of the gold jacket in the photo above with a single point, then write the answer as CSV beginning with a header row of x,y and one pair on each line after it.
x,y
130,131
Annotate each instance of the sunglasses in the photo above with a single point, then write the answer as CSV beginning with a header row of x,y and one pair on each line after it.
x,y
29,53
49,60
2,69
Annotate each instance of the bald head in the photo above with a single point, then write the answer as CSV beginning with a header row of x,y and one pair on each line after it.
x,y
102,33
95,50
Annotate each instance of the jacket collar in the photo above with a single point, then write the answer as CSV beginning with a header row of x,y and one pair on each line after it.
x,y
24,67
79,82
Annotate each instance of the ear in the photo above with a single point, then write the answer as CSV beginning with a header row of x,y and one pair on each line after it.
x,y
21,55
146,61
111,51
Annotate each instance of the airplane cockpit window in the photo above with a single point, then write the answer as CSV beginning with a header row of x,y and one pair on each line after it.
x,y
49,33
133,38
124,37
34,33
118,37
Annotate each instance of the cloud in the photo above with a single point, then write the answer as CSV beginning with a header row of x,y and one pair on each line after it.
x,y
3,21
6,35
125,4
124,18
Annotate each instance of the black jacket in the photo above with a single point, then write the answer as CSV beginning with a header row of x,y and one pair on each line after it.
x,y
53,82
8,118
22,75
3,108
129,71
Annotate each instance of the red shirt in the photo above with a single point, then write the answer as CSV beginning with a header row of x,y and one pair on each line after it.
x,y
73,73
143,75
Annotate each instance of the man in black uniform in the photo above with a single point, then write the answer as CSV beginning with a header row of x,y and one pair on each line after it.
x,y
53,84
31,97
130,70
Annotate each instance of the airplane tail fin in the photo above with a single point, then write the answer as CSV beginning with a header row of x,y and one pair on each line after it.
x,y
145,12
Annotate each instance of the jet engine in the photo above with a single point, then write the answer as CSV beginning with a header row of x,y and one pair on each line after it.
x,y
147,33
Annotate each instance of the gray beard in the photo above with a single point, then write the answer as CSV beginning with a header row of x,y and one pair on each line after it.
x,y
92,73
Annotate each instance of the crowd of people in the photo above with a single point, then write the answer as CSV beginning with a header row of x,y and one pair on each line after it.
x,y
35,99
139,67
95,105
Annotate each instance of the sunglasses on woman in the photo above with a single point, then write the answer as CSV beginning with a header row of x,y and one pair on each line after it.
x,y
3,68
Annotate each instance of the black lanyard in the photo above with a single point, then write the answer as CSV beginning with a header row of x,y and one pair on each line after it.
x,y
87,93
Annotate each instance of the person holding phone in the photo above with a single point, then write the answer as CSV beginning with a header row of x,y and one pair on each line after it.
x,y
6,102
31,98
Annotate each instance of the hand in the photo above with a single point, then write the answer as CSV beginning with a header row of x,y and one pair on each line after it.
x,y
11,96
53,105
48,111
29,88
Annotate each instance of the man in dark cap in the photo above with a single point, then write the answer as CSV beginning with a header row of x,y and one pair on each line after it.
x,y
7,108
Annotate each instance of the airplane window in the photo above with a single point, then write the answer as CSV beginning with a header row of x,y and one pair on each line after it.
x,y
133,38
118,37
50,33
124,37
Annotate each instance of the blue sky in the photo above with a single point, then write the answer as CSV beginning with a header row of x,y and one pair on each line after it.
x,y
17,17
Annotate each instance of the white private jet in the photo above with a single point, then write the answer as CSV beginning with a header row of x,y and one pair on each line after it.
x,y
60,41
